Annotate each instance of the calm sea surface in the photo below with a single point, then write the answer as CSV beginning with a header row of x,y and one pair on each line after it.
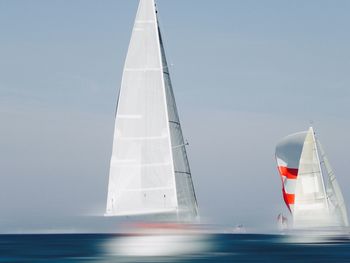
x,y
199,248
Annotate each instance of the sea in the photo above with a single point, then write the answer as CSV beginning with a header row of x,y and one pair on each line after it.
x,y
173,248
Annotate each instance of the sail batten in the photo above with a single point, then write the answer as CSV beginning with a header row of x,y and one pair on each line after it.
x,y
142,69
147,189
143,176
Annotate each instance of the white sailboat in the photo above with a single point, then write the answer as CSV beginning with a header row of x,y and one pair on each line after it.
x,y
149,169
310,189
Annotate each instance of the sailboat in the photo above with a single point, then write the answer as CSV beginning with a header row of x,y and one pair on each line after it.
x,y
149,169
310,188
282,222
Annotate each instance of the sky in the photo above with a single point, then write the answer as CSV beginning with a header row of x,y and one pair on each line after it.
x,y
245,74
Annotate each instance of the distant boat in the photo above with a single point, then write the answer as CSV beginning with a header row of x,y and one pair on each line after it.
x,y
239,229
282,222
310,188
149,169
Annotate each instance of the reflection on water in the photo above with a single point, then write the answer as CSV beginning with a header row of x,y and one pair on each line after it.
x,y
172,246
159,240
322,236
157,245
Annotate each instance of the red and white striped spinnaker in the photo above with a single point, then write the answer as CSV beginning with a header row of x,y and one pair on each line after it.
x,y
311,201
288,153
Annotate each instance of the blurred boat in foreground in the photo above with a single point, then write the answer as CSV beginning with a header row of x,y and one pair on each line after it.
x,y
160,239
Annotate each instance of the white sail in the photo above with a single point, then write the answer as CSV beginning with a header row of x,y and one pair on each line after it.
x,y
311,206
187,202
335,197
149,172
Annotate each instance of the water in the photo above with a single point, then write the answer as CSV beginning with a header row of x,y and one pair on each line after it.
x,y
203,248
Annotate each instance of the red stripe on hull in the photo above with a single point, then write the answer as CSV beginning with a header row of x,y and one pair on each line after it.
x,y
290,173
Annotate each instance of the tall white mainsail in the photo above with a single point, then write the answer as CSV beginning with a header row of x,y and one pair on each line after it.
x,y
149,170
313,200
310,196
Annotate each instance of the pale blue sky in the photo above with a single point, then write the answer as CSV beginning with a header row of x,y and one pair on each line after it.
x,y
245,74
